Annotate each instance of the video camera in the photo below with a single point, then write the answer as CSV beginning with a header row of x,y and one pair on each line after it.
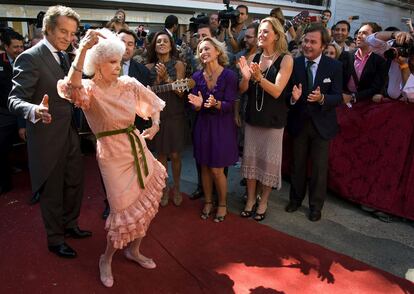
x,y
228,14
396,50
202,18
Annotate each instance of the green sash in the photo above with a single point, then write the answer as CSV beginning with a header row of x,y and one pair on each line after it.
x,y
132,139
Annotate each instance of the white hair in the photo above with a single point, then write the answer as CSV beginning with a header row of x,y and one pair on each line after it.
x,y
102,51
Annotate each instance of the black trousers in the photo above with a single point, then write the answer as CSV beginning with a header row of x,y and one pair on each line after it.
x,y
7,135
62,192
309,145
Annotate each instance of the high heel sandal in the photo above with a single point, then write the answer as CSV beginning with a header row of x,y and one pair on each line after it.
x,y
178,198
220,218
260,216
164,198
249,213
206,214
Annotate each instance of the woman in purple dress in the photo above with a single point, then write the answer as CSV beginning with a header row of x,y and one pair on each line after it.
x,y
215,136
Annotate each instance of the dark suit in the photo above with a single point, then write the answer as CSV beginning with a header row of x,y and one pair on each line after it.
x,y
312,126
8,123
346,58
55,162
142,74
372,80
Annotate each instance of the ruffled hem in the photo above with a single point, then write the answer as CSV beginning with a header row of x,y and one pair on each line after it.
x,y
126,225
254,173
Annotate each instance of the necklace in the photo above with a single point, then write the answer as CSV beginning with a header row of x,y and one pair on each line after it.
x,y
208,76
268,56
257,85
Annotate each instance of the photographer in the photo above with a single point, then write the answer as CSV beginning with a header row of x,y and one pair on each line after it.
x,y
388,44
233,26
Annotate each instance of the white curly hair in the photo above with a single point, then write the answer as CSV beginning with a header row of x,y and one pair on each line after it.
x,y
102,51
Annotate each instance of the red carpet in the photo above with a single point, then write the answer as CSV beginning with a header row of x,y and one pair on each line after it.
x,y
193,256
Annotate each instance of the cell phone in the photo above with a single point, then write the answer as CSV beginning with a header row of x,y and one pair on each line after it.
x,y
405,19
313,18
355,17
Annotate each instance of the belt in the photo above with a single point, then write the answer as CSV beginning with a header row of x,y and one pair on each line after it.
x,y
133,137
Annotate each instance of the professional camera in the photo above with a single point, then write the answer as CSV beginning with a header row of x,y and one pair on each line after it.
x,y
228,14
198,20
396,50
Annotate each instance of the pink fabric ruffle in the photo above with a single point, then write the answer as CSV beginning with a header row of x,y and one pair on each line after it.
x,y
77,96
131,223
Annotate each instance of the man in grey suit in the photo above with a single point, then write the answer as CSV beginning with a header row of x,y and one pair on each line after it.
x,y
55,162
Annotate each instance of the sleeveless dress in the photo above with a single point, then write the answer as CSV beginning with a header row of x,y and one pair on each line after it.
x,y
173,125
133,205
263,138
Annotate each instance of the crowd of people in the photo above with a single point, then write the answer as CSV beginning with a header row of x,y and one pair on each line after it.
x,y
251,80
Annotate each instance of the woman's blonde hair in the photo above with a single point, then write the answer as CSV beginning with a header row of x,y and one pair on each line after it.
x,y
223,59
281,45
337,48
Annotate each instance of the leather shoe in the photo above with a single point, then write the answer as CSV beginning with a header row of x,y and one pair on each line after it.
x,y
292,207
63,250
196,194
35,198
77,233
314,215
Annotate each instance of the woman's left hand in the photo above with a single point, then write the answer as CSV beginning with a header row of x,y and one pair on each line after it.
x,y
256,72
197,101
151,132
211,102
162,74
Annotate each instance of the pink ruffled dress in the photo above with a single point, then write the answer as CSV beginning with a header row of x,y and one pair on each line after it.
x,y
132,206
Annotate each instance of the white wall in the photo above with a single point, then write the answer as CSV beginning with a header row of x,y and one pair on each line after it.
x,y
384,15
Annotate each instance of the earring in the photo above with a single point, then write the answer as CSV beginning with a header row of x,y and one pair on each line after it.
x,y
98,75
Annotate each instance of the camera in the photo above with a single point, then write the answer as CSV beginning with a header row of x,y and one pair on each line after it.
x,y
228,14
202,18
396,50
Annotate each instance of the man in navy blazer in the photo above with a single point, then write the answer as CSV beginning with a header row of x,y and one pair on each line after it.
x,y
316,85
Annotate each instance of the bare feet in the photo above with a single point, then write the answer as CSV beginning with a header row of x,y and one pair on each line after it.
x,y
105,272
143,261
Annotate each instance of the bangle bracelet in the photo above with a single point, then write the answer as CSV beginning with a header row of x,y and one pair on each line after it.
x,y
75,68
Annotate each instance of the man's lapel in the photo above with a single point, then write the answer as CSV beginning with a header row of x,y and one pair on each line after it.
x,y
50,61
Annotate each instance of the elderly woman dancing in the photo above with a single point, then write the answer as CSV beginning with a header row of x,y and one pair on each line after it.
x,y
133,178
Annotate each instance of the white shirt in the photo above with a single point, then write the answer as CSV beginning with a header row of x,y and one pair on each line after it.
x,y
395,79
314,66
125,67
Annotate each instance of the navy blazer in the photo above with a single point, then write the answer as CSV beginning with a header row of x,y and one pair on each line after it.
x,y
373,77
140,72
329,79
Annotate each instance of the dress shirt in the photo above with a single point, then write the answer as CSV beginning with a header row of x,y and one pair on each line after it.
x,y
125,67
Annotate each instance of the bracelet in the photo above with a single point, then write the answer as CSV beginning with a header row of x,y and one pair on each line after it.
x,y
404,66
75,68
322,101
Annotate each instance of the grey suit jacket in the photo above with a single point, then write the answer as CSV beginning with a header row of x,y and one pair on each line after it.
x,y
35,74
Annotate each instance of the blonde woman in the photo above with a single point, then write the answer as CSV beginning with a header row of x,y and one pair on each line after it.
x,y
215,135
265,80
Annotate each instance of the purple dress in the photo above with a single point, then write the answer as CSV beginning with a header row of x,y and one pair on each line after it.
x,y
215,133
